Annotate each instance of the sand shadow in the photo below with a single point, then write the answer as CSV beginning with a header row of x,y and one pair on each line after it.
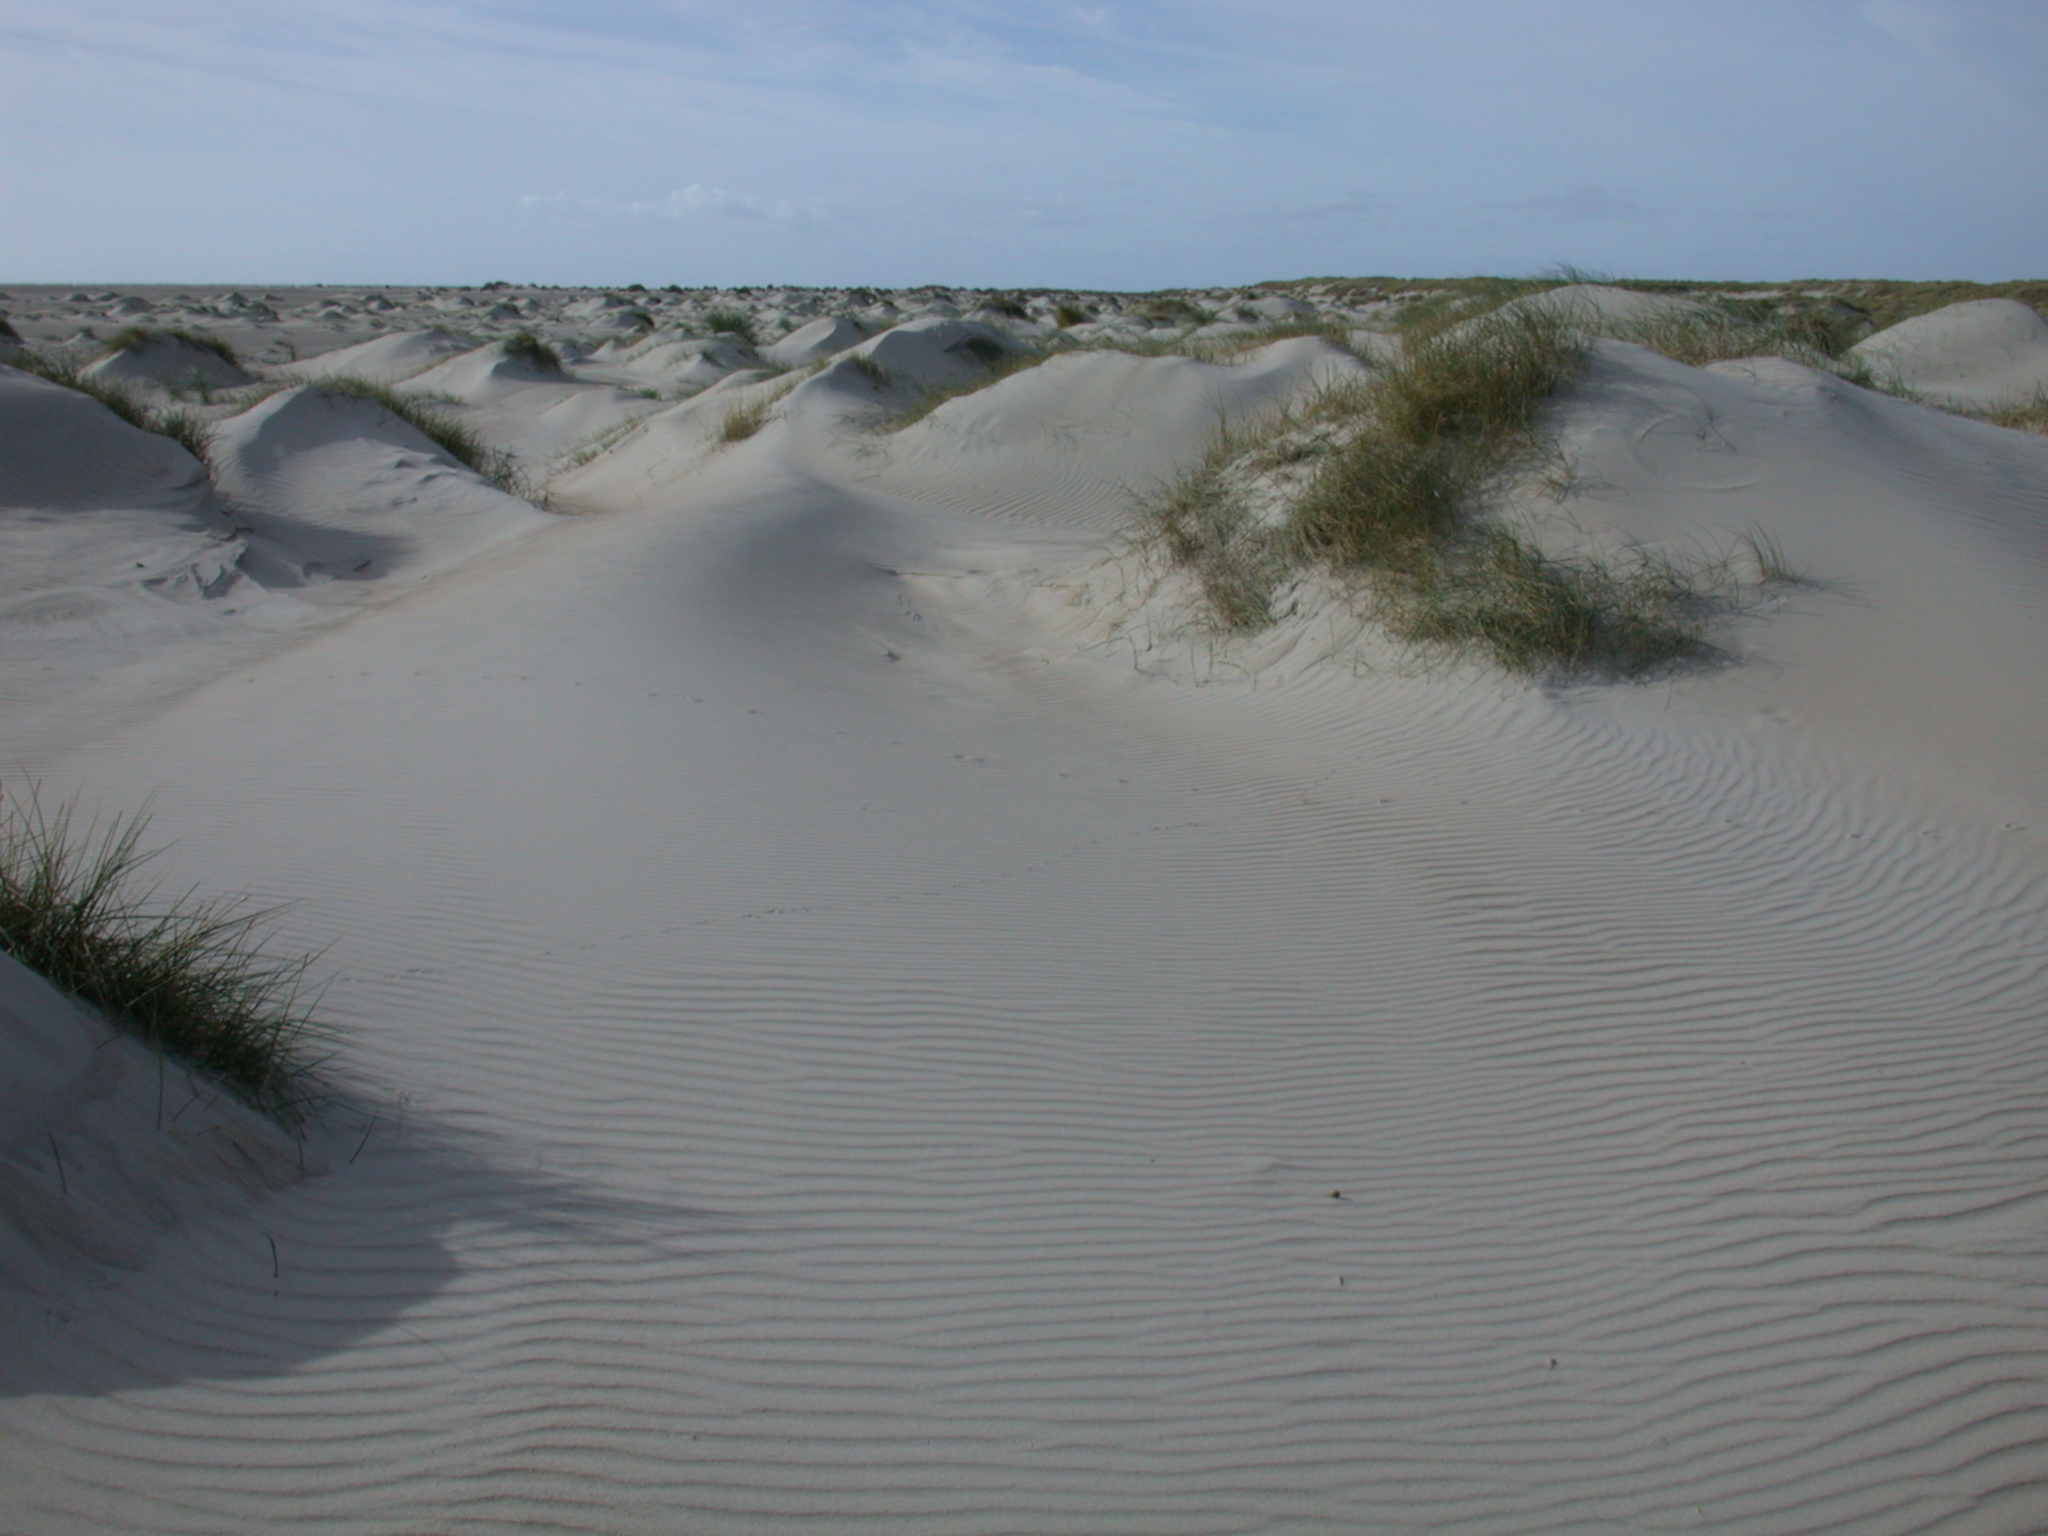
x,y
312,1270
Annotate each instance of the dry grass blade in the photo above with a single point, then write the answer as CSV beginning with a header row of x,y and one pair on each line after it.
x,y
743,420
181,427
1403,464
431,420
2022,415
135,336
185,973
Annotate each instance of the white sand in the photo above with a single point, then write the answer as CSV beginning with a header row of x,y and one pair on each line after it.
x,y
166,360
856,1021
1984,352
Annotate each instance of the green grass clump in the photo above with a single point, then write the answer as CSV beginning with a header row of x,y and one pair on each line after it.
x,y
528,348
1206,528
1401,503
1066,315
185,973
431,420
1724,329
1489,590
744,419
732,322
135,336
1399,470
190,432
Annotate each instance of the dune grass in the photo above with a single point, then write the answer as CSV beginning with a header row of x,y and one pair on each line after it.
x,y
135,336
1399,470
1725,329
1170,309
528,348
1225,349
732,322
190,432
743,419
2026,414
1205,527
186,973
429,417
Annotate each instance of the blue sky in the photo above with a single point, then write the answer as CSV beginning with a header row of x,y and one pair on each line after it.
x,y
1104,145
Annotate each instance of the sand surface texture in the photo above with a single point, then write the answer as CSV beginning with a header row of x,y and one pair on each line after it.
x,y
856,1016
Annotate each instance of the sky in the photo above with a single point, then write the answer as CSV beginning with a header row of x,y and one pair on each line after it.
x,y
1019,143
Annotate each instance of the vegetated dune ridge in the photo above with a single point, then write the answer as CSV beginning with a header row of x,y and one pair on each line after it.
x,y
860,1016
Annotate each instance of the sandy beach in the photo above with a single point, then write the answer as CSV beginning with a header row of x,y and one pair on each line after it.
x,y
857,1005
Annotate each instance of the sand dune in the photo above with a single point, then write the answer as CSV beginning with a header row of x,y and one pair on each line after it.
x,y
338,489
169,360
860,1013
1981,352
383,360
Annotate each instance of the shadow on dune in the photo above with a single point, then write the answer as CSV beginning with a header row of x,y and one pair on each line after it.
x,y
285,552
317,1268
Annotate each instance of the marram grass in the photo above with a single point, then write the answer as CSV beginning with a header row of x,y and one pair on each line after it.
x,y
188,431
1403,465
135,336
430,419
184,972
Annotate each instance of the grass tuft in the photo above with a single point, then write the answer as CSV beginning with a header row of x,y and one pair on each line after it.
x,y
431,420
2022,415
531,350
1399,468
1768,556
1727,329
1205,527
744,419
185,973
134,336
189,432
732,322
